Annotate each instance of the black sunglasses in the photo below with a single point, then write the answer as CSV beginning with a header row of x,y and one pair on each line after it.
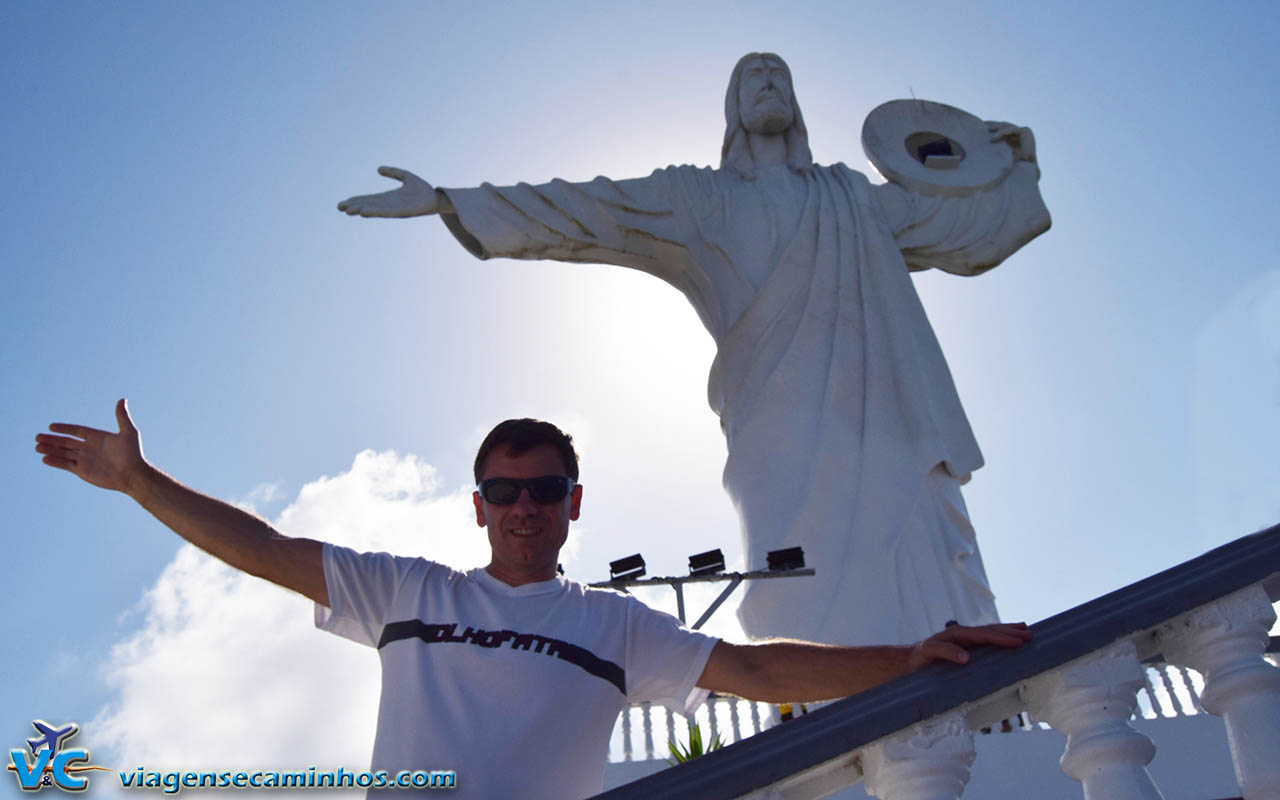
x,y
543,490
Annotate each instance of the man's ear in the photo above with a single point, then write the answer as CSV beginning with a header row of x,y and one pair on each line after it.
x,y
475,498
575,502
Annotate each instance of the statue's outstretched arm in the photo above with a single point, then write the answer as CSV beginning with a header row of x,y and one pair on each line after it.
x,y
970,234
415,198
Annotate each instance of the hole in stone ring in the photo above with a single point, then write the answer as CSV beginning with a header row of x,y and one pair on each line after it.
x,y
934,150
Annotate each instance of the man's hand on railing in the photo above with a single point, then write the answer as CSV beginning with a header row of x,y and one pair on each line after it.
x,y
782,670
952,643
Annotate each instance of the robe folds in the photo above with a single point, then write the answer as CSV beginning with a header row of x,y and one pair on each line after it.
x,y
844,429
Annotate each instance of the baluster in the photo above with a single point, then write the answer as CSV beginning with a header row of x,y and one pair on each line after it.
x,y
1188,708
755,716
1157,707
626,733
711,713
1091,700
929,761
1175,705
1191,690
646,716
1224,642
734,725
671,725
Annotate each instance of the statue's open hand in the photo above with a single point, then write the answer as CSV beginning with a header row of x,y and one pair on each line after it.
x,y
414,199
1019,139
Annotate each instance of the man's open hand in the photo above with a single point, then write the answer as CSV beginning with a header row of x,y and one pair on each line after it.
x,y
951,644
101,458
414,199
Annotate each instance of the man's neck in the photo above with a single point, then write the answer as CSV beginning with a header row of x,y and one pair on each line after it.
x,y
517,579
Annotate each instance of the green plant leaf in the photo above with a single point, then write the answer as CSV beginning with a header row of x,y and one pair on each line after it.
x,y
682,753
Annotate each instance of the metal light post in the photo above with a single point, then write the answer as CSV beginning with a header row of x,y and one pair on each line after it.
x,y
705,568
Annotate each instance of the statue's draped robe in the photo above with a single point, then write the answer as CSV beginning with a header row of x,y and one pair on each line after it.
x,y
845,433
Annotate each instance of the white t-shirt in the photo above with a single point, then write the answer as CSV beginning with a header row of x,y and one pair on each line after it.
x,y
516,688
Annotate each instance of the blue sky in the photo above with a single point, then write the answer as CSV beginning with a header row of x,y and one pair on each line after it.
x,y
171,174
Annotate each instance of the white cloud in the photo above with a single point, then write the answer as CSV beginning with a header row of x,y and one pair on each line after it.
x,y
228,670
264,494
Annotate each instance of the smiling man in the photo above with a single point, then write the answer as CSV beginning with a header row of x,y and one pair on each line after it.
x,y
508,674
531,467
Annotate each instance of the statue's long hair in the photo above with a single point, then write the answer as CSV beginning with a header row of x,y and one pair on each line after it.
x,y
736,153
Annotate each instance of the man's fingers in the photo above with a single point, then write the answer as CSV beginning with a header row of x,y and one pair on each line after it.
x,y
995,637
58,441
1003,635
1017,630
59,450
950,644
984,636
79,431
940,650
122,417
60,463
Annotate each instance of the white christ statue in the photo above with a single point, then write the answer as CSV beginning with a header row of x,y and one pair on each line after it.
x,y
844,429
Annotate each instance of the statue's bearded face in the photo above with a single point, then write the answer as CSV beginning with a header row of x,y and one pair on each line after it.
x,y
764,97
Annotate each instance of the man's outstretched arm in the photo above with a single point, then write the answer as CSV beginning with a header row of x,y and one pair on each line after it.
x,y
789,671
115,461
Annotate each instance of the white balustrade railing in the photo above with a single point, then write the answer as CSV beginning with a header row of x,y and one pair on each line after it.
x,y
1190,641
1170,691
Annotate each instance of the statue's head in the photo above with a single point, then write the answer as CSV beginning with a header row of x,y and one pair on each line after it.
x,y
761,100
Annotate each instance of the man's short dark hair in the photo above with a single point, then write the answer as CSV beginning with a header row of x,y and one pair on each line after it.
x,y
522,435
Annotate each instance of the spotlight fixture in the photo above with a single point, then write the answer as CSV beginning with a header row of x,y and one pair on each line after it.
x,y
707,563
706,567
788,558
625,569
